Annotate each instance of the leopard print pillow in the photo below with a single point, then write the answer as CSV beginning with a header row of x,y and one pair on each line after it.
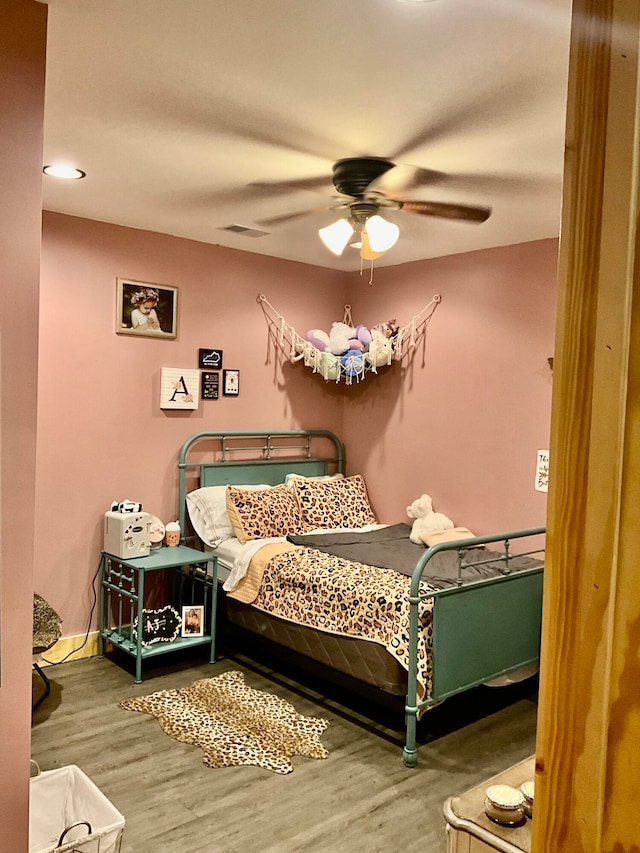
x,y
263,513
334,503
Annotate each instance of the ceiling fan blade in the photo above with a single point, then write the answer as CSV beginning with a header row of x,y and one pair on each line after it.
x,y
445,210
321,183
403,178
289,217
481,183
473,108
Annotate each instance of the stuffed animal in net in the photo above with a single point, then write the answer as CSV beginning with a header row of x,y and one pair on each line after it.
x,y
426,520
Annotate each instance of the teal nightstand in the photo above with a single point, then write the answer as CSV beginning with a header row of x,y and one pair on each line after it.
x,y
121,601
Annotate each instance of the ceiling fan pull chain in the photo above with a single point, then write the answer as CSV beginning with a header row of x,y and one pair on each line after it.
x,y
362,269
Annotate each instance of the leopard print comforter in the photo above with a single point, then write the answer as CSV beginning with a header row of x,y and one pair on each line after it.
x,y
331,594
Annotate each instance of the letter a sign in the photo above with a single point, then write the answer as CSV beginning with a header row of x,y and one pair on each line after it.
x,y
179,388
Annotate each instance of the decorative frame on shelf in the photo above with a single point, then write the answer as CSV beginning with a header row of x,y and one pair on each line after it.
x,y
158,626
193,620
146,310
231,383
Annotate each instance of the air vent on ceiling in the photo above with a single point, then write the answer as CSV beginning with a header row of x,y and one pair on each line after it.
x,y
244,230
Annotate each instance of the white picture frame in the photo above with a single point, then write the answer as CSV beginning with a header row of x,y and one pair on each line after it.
x,y
542,471
230,383
193,620
179,388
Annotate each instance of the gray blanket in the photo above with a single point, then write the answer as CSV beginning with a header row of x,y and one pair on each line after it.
x,y
391,548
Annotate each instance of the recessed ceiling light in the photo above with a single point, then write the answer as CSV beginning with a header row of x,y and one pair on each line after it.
x,y
60,170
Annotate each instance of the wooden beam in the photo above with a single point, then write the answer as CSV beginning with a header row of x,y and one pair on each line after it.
x,y
587,751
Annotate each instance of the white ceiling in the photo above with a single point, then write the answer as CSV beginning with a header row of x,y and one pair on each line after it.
x,y
174,108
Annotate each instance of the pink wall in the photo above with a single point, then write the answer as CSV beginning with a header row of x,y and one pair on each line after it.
x,y
462,421
101,432
22,72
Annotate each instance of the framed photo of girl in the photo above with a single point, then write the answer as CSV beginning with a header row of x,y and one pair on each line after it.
x,y
146,310
193,620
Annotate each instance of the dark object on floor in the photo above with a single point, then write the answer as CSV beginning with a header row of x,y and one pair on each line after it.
x,y
46,633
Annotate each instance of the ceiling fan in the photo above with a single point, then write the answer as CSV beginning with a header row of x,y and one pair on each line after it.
x,y
367,186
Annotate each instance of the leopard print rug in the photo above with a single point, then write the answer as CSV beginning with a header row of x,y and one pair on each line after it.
x,y
234,724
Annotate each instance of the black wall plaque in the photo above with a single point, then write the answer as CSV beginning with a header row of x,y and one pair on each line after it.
x,y
210,359
210,386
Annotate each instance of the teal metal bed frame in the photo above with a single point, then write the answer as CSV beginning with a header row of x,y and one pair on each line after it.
x,y
481,630
251,457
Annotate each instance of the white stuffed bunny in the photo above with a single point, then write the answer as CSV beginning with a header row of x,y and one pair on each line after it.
x,y
426,520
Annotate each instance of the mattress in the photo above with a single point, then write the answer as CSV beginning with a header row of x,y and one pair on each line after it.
x,y
372,655
358,659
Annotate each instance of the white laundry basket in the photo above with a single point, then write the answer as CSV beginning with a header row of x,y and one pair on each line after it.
x,y
69,813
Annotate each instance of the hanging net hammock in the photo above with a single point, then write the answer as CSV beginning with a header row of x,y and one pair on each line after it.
x,y
348,352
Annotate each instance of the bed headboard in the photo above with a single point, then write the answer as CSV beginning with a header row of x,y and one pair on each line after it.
x,y
248,457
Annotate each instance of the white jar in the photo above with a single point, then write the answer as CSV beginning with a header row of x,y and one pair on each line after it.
x,y
172,534
527,789
505,805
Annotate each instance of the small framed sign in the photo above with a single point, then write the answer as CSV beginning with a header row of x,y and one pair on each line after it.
x,y
231,383
209,385
193,620
158,626
179,388
210,359
542,471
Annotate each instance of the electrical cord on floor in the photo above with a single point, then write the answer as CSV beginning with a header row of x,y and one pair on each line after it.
x,y
86,636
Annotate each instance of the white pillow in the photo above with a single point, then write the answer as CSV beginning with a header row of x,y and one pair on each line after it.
x,y
289,479
207,508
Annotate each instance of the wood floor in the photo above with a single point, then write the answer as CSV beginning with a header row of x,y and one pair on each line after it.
x,y
361,798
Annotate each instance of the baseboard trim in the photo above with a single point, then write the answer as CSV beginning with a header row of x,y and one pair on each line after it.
x,y
71,646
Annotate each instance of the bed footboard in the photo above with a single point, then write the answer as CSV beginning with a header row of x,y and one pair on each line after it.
x,y
481,630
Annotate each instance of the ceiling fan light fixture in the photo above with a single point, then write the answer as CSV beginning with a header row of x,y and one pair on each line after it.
x,y
336,236
366,251
382,235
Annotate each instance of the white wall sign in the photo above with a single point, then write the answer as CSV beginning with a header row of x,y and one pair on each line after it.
x,y
542,471
179,388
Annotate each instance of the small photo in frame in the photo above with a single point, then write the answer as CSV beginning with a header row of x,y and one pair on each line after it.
x,y
193,620
210,359
146,310
209,385
231,383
